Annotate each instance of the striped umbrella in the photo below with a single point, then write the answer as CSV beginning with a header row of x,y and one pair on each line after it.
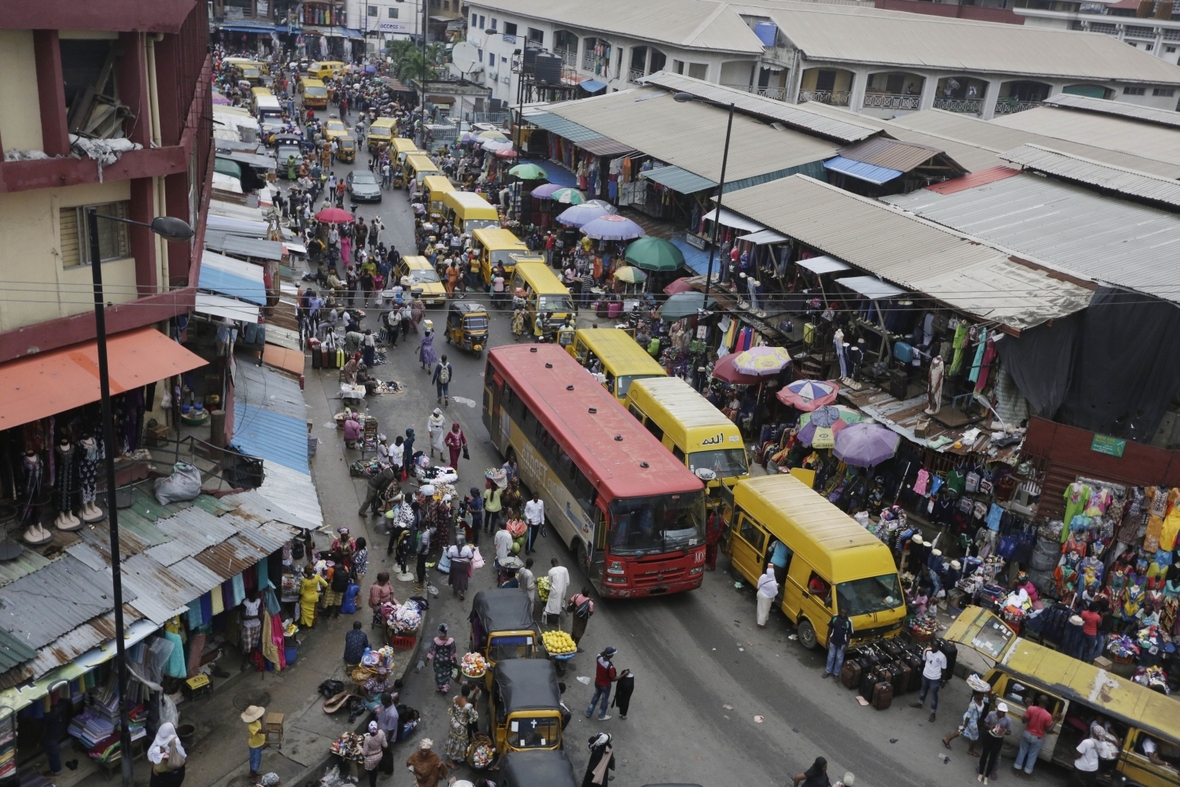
x,y
808,395
818,429
568,196
762,361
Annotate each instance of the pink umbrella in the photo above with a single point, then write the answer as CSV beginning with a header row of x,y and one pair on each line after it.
x,y
506,153
724,370
808,395
680,285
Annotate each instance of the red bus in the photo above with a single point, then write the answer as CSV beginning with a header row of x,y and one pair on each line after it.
x,y
633,515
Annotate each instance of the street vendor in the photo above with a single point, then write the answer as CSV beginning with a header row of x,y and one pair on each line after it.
x,y
377,685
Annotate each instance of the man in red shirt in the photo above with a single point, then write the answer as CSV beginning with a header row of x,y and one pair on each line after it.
x,y
1037,721
1093,640
604,676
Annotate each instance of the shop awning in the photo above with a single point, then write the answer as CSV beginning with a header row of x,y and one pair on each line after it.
x,y
234,278
243,245
872,288
604,146
733,220
53,382
229,308
824,264
591,85
696,260
762,237
861,171
249,159
679,180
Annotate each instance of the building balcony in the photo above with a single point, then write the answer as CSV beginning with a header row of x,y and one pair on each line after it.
x,y
1010,106
569,57
891,101
969,106
836,98
57,172
634,75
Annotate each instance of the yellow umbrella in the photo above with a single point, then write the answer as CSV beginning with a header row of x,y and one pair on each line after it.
x,y
630,275
762,361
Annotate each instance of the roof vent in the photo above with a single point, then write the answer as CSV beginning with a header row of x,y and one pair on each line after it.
x,y
569,388
644,464
548,366
619,437
532,349
593,410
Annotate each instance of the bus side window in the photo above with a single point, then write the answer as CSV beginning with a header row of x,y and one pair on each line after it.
x,y
752,534
635,411
656,431
819,587
676,452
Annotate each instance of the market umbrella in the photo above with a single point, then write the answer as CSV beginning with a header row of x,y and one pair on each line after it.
x,y
820,428
679,286
723,369
545,190
334,216
808,395
764,361
654,254
609,208
866,444
580,215
630,275
568,196
686,304
612,227
494,145
528,172
506,153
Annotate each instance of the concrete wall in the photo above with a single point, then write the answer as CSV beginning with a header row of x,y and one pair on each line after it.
x,y
20,116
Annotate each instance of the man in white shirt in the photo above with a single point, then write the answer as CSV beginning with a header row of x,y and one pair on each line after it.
x,y
528,583
503,544
559,583
931,678
534,517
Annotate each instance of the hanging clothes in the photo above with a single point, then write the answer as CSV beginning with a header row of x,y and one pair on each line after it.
x,y
979,350
989,355
959,343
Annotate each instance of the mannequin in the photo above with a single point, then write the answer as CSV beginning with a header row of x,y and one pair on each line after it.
x,y
89,454
838,341
65,491
30,508
934,389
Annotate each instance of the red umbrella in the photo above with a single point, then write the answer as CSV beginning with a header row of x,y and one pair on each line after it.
x,y
724,370
334,216
505,153
680,285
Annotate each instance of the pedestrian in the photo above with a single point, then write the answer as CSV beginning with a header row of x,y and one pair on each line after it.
x,y
360,560
251,633
714,529
426,766
492,504
388,721
309,595
338,581
1037,722
442,653
436,428
767,590
969,727
815,776
534,517
839,632
373,750
167,756
581,607
356,642
474,503
380,593
931,678
502,542
623,692
461,556
407,453
425,534
426,355
442,380
463,717
456,443
559,582
528,583
602,759
604,676
252,716
376,486
996,725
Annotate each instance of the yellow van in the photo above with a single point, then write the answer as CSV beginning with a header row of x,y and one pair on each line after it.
x,y
542,293
314,93
1019,671
381,132
335,128
418,166
695,431
251,70
257,93
402,147
496,245
832,562
424,279
616,355
436,187
328,69
469,212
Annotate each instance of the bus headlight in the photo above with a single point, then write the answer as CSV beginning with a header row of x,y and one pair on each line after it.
x,y
697,570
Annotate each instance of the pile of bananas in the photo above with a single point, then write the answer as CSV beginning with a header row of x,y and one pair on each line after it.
x,y
558,642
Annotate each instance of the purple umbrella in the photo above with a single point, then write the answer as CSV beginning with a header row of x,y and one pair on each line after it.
x,y
866,444
543,192
612,227
579,215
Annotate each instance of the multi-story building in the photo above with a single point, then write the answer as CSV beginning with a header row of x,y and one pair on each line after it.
x,y
1151,26
876,62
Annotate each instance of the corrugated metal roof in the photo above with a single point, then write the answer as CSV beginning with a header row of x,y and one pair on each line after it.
x,y
603,146
1094,173
803,117
253,504
229,308
271,436
1066,226
26,562
678,179
235,278
918,255
40,607
256,248
13,651
1163,117
974,179
871,287
1103,131
691,135
295,491
861,171
249,159
562,127
890,153
275,390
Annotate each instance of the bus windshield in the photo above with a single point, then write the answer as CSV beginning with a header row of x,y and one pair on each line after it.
x,y
655,525
471,225
555,303
315,91
504,257
725,462
625,383
866,596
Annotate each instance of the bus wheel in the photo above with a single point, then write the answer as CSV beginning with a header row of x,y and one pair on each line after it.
x,y
579,557
806,633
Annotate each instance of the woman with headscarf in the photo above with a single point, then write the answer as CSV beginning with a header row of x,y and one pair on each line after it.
x,y
436,429
624,688
512,500
455,442
815,776
372,748
426,355
309,594
417,312
462,716
461,556
164,754
426,766
767,590
442,653
602,759
408,452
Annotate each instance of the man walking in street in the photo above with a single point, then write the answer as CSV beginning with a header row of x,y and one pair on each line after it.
x,y
502,541
442,380
1037,721
534,517
581,606
604,675
377,484
559,582
839,632
528,583
388,722
931,678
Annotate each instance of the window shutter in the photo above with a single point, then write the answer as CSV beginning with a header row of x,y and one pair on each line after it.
x,y
68,219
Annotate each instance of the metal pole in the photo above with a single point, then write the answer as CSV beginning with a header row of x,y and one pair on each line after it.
x,y
717,221
422,83
108,426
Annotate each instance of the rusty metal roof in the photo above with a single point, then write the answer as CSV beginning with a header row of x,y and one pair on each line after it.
x,y
890,153
40,607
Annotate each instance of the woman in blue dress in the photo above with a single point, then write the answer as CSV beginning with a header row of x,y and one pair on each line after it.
x,y
426,355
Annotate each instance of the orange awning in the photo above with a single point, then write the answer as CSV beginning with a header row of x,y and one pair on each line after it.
x,y
53,382
283,358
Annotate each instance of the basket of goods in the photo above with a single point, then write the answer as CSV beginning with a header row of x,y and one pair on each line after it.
x,y
473,665
516,527
543,588
559,644
1122,649
481,752
405,619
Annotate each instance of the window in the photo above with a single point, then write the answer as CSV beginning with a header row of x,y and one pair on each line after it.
x,y
1169,49
493,25
82,63
536,36
698,70
820,588
475,20
393,13
75,239
752,534
676,452
1166,92
481,22
678,66
1134,91
372,10
509,28
491,58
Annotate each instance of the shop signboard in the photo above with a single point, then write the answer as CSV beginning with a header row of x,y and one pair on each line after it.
x,y
1105,444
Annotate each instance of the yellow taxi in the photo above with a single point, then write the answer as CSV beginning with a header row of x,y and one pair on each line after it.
x,y
424,280
335,128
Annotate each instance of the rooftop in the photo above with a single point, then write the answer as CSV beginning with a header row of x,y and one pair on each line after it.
x,y
1151,188
1100,130
1163,117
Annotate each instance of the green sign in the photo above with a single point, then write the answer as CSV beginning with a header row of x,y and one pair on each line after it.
x,y
1111,446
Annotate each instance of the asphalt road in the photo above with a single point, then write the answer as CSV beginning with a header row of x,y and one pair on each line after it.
x,y
717,701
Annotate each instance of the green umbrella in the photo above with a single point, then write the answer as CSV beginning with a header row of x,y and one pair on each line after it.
x,y
684,304
568,196
630,275
528,172
654,254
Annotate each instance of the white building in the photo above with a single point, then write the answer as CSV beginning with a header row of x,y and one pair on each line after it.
x,y
880,63
382,21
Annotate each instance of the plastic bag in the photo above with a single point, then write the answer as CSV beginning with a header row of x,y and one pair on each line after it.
x,y
168,712
477,560
183,484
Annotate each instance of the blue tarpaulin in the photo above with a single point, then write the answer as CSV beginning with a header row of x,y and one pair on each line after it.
x,y
695,259
556,172
861,171
591,85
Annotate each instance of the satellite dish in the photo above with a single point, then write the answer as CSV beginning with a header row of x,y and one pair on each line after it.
x,y
464,56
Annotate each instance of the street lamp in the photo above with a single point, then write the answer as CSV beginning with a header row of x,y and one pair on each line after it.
x,y
171,229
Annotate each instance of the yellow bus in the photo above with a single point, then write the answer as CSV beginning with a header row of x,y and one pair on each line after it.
x,y
314,93
402,147
257,93
327,69
436,187
494,246
614,354
832,563
418,166
381,132
251,70
542,292
693,429
469,212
